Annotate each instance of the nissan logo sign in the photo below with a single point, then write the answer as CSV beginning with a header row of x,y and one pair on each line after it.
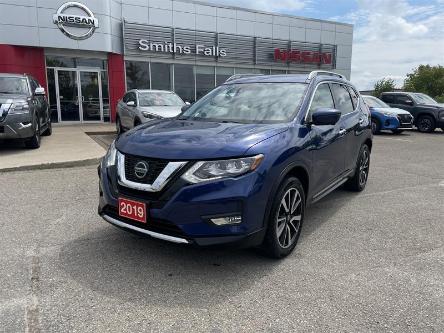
x,y
141,169
82,26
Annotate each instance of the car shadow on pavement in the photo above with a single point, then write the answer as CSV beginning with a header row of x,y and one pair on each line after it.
x,y
142,270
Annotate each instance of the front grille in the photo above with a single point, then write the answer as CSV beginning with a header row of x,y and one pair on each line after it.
x,y
160,226
405,119
154,166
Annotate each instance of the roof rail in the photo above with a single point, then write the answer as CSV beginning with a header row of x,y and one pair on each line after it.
x,y
241,76
313,74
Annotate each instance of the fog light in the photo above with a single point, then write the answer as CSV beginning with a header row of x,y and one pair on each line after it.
x,y
227,220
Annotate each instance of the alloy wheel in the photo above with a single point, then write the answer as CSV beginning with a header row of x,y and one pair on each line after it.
x,y
425,125
289,217
364,167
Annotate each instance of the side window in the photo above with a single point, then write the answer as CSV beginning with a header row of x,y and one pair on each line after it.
x,y
388,98
403,100
322,98
354,96
125,98
33,85
342,98
132,97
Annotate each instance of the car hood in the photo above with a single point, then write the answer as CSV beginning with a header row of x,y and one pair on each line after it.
x,y
10,98
163,111
194,140
392,110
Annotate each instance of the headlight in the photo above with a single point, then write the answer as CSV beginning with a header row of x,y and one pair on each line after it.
x,y
148,115
211,170
110,157
19,107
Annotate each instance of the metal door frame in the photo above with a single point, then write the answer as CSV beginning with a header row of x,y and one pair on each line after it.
x,y
79,93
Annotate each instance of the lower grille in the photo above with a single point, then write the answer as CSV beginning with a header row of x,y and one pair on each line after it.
x,y
405,119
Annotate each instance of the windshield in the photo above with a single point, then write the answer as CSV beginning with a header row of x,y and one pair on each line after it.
x,y
423,99
249,103
13,85
374,102
159,99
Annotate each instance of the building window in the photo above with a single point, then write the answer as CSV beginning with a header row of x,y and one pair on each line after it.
x,y
52,99
205,80
222,74
60,61
160,76
137,75
278,71
184,84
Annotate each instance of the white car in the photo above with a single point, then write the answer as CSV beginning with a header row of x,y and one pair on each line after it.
x,y
140,106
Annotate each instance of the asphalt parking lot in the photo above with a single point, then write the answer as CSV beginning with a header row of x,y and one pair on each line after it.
x,y
370,262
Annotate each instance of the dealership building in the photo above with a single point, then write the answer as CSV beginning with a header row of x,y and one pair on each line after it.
x,y
87,54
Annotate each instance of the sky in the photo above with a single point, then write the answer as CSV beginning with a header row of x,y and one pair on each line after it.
x,y
391,37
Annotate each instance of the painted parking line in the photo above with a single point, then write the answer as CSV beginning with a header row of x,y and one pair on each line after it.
x,y
395,139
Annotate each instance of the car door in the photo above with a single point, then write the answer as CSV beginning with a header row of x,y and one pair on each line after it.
x,y
327,144
131,110
405,102
124,111
35,102
348,123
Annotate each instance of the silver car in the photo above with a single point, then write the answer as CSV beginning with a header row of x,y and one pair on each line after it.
x,y
140,106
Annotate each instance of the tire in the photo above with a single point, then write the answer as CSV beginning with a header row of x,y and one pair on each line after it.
x,y
285,223
425,124
359,180
442,128
397,131
34,141
376,126
119,128
48,131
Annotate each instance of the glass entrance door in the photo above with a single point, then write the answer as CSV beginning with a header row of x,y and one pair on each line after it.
x,y
90,93
68,95
79,95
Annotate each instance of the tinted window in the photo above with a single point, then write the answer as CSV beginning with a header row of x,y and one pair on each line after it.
x,y
354,97
125,98
160,76
33,85
137,75
132,97
403,100
388,98
374,102
249,103
322,98
184,82
342,98
204,80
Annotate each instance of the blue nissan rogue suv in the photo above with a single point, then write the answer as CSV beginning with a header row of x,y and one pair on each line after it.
x,y
241,164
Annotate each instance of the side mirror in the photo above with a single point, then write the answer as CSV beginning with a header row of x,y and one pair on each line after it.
x,y
39,91
185,107
131,103
187,103
325,117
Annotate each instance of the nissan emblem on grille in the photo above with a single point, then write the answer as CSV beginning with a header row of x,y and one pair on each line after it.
x,y
141,169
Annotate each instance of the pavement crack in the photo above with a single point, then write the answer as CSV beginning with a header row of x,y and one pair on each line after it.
x,y
32,310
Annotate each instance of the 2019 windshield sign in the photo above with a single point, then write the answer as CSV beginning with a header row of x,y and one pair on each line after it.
x,y
83,25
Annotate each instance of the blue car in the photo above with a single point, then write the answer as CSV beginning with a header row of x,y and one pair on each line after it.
x,y
385,117
241,165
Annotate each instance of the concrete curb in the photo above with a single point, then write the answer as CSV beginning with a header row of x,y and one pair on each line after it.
x,y
55,165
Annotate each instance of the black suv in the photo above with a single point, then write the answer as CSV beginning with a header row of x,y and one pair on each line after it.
x,y
24,109
427,112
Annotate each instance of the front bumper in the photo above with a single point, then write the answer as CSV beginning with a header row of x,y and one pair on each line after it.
x,y
16,126
181,212
396,123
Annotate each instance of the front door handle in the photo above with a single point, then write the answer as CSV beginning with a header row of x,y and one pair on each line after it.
x,y
342,131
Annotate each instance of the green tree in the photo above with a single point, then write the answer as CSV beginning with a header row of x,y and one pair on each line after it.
x,y
383,85
428,80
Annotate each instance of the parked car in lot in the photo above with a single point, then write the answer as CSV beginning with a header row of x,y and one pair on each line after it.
x,y
428,114
140,106
24,110
241,164
386,118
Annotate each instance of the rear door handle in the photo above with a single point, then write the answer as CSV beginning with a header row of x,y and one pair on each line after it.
x,y
342,131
